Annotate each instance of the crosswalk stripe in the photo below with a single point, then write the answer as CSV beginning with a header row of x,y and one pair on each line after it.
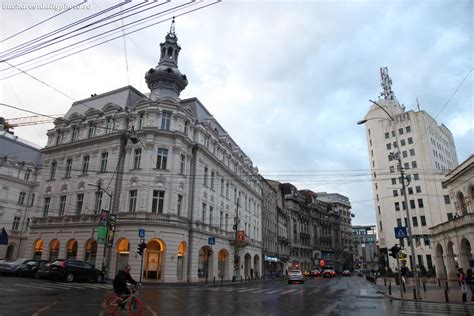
x,y
289,291
274,291
35,287
244,290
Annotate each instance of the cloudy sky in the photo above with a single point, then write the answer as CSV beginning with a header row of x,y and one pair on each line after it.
x,y
287,79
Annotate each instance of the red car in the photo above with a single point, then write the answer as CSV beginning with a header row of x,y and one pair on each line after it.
x,y
315,273
329,274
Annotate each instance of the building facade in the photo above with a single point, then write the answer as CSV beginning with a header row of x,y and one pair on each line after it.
x,y
365,247
453,238
19,165
427,153
150,162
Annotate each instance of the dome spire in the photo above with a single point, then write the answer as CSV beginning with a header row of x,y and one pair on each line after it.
x,y
172,29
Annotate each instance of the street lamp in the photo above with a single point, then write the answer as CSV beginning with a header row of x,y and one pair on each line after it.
x,y
398,157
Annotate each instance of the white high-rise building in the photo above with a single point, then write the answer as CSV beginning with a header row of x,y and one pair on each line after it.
x,y
427,154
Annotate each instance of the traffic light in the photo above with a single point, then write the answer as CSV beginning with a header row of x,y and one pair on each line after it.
x,y
141,247
394,250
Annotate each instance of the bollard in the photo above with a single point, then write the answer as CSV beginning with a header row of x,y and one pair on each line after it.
x,y
439,282
414,294
385,281
459,283
390,289
214,280
241,280
446,296
206,279
464,297
222,279
424,286
404,289
447,287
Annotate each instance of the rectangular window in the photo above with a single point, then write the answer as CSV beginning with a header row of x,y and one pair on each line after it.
x,y
98,202
415,221
206,170
380,224
52,173
397,206
226,222
395,192
423,220
221,220
68,168
74,133
16,223
406,165
418,189
404,154
103,162
410,140
400,131
390,157
429,261
59,137
402,142
204,206
395,145
211,220
62,205
132,201
394,180
109,126
410,190
85,165
399,222
413,164
412,152
21,198
420,203
412,204
32,199
161,158
408,129
166,120
212,179
447,199
27,174
416,176
389,146
387,135
137,157
180,205
91,130
222,187
158,202
80,202
404,205
182,164
46,203
227,190
140,121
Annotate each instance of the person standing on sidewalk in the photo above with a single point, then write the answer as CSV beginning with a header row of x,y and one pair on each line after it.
x,y
462,282
469,279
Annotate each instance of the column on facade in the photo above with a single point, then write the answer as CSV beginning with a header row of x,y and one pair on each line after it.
x,y
464,256
440,267
450,267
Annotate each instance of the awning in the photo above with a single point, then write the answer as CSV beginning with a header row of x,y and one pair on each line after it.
x,y
4,237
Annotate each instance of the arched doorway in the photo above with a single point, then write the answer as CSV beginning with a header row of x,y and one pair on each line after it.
x,y
247,264
71,249
223,264
38,249
256,265
10,251
205,262
154,254
465,254
440,265
53,250
123,252
91,251
180,260
461,203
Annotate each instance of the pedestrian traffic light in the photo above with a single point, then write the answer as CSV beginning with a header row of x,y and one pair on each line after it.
x,y
394,250
141,247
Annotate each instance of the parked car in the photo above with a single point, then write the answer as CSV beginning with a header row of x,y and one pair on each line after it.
x,y
315,273
70,270
295,276
329,274
11,267
30,267
346,273
43,271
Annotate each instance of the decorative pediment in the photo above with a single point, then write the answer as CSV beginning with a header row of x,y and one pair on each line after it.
x,y
134,181
48,190
93,113
64,188
76,117
160,181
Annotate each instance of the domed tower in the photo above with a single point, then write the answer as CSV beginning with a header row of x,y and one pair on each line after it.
x,y
165,80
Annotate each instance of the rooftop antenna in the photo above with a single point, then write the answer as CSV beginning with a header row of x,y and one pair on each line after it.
x,y
418,104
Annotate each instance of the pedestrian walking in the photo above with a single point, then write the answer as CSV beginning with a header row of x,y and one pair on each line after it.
x,y
462,282
469,279
251,273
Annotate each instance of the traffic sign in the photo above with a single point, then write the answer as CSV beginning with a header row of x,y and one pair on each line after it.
x,y
141,233
211,241
401,232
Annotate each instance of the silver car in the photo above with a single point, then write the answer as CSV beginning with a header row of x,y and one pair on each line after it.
x,y
295,276
11,267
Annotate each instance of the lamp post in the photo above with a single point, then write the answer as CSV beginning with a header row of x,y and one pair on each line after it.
x,y
398,157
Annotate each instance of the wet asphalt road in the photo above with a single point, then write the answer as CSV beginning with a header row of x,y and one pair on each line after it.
x,y
338,296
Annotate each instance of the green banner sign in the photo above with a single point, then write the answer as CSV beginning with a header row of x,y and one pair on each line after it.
x,y
102,234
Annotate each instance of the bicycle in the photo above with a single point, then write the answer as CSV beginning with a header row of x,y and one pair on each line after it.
x,y
135,305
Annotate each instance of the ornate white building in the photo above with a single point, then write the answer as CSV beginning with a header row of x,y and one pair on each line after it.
x,y
427,154
160,164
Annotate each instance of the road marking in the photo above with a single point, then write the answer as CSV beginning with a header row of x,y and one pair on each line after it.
x,y
35,287
363,292
151,310
44,308
244,290
289,291
258,291
270,292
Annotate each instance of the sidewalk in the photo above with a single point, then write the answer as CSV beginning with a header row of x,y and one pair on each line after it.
x,y
433,293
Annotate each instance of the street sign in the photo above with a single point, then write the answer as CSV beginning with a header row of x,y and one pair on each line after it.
x,y
401,232
240,235
211,241
141,233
